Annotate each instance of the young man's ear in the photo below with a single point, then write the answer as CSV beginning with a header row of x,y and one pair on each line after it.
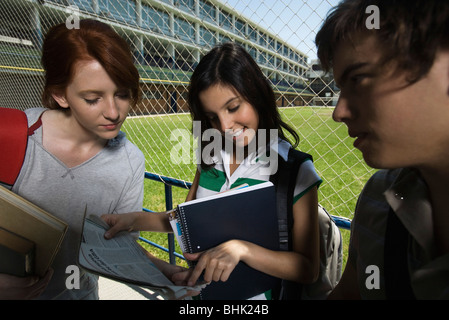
x,y
443,55
60,99
446,54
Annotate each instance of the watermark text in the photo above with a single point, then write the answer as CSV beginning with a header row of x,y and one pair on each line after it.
x,y
73,20
373,20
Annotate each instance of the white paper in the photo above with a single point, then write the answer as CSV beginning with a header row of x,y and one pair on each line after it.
x,y
121,258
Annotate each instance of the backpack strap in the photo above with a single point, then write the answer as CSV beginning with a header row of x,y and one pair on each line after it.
x,y
285,181
14,134
35,126
397,277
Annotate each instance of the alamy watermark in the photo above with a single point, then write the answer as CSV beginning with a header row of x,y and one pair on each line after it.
x,y
72,281
373,279
187,149
373,20
73,20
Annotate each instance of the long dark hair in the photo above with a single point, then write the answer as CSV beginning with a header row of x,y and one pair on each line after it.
x,y
230,65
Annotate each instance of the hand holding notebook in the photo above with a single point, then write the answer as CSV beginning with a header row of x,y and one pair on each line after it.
x,y
247,214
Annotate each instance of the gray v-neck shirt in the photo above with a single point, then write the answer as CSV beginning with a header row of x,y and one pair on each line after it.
x,y
109,182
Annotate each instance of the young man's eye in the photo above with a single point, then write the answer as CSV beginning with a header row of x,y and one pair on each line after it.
x,y
359,78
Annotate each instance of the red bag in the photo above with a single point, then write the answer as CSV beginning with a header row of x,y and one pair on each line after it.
x,y
14,134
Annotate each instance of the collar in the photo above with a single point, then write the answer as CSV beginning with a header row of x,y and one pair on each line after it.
x,y
282,147
260,157
278,146
409,199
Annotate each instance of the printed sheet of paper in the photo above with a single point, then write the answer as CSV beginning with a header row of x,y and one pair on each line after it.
x,y
120,258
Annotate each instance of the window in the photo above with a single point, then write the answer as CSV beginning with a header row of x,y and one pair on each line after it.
x,y
224,39
271,60
252,33
207,37
253,53
225,20
262,58
84,5
279,48
317,67
124,10
263,40
155,20
271,43
184,30
207,11
240,27
185,5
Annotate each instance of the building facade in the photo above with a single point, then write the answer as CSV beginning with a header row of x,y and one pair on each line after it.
x,y
322,85
168,38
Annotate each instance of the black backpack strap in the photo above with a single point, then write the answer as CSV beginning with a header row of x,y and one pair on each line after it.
x,y
285,180
397,277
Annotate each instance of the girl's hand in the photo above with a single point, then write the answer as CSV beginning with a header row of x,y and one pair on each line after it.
x,y
177,275
216,263
119,222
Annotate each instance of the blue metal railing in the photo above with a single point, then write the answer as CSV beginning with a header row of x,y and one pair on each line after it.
x,y
168,184
342,223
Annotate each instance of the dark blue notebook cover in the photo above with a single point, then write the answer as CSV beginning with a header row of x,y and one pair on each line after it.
x,y
247,214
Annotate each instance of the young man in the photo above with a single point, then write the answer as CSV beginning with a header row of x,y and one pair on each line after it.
x,y
394,81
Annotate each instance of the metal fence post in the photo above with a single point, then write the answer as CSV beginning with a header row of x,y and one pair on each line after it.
x,y
170,236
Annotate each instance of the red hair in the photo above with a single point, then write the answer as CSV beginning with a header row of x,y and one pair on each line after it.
x,y
93,40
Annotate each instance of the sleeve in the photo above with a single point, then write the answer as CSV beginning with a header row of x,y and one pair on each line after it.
x,y
306,179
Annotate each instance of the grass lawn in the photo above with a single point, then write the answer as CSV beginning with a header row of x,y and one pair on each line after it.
x,y
340,166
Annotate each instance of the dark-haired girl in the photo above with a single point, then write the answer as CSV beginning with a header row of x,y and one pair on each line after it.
x,y
231,99
229,93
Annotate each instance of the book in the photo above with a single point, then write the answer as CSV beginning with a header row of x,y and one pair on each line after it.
x,y
17,254
122,259
19,216
247,214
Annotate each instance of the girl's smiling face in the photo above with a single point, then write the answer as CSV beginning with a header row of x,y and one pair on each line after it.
x,y
229,113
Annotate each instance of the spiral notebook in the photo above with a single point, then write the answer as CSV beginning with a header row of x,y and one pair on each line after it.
x,y
245,213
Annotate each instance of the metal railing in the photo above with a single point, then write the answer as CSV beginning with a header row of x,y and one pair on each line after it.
x,y
342,223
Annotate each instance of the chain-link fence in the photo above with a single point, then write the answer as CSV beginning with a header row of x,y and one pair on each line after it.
x,y
168,38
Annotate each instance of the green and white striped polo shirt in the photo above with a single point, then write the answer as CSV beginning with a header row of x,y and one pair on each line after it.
x,y
255,169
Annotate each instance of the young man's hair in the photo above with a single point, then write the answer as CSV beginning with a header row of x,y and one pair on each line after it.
x,y
411,31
